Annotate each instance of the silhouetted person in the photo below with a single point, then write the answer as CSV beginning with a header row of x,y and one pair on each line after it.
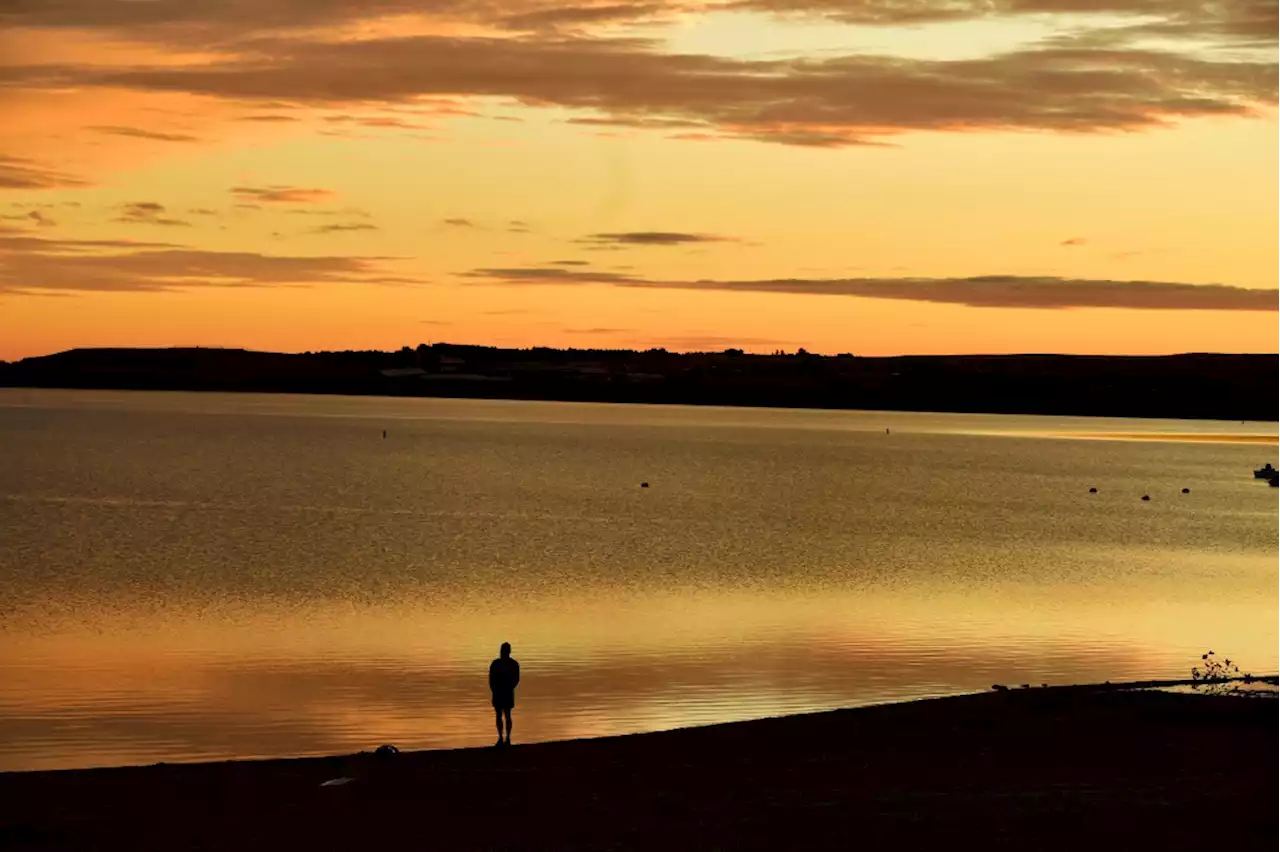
x,y
504,675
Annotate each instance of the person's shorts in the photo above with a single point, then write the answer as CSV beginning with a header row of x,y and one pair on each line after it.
x,y
504,700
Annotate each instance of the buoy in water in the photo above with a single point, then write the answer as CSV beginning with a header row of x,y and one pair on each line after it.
x,y
644,485
1186,491
1093,491
384,434
1146,496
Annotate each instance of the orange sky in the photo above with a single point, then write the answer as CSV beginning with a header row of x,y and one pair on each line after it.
x,y
873,177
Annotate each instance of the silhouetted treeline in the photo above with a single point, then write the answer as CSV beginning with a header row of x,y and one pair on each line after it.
x,y
1233,387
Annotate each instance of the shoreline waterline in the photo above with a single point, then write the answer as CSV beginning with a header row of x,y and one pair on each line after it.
x,y
1054,768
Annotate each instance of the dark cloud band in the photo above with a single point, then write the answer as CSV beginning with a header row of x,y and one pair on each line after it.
x,y
988,291
33,264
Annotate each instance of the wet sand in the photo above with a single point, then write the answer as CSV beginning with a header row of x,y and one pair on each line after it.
x,y
1067,768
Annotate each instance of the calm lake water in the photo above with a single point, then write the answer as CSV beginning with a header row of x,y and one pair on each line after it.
x,y
204,576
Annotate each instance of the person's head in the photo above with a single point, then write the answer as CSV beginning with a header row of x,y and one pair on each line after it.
x,y
505,650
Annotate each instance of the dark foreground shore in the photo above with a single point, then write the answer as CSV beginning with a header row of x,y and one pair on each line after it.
x,y
1035,769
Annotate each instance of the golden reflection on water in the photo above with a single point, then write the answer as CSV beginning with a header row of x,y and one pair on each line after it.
x,y
1211,437
190,577
323,680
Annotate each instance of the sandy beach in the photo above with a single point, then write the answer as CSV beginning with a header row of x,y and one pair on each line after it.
x,y
1059,768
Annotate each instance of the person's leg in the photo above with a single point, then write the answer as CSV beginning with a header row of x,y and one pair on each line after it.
x,y
507,713
497,715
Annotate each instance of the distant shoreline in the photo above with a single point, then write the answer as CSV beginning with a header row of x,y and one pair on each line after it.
x,y
1054,768
1176,387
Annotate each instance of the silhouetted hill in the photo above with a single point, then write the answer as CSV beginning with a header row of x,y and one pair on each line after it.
x,y
1230,387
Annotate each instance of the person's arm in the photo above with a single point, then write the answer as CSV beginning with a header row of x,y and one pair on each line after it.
x,y
493,675
515,674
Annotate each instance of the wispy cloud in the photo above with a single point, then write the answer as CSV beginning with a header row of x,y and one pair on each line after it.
x,y
148,213
638,121
654,238
282,194
141,133
343,227
352,212
572,17
459,222
552,275
376,121
21,173
31,217
987,291
1073,241
33,264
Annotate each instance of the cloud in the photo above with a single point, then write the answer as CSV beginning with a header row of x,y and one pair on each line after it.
x,y
986,291
568,263
31,217
1073,241
639,121
207,22
148,213
653,238
566,17
282,194
139,133
376,121
697,137
42,205
1240,21
458,222
343,227
283,54
32,264
271,118
597,330
345,211
552,275
228,24
213,21
826,102
12,240
21,173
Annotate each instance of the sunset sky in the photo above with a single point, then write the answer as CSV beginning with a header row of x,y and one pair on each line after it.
x,y
874,176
